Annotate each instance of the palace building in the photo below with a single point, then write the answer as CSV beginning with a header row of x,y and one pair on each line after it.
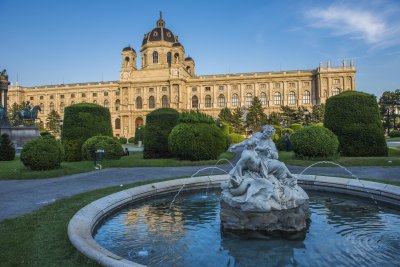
x,y
167,78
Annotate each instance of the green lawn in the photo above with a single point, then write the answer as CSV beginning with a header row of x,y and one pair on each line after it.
x,y
40,237
16,170
392,160
393,139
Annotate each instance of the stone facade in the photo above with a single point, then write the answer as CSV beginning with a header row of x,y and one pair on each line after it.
x,y
167,79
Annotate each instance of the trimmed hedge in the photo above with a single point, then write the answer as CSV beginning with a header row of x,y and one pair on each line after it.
x,y
43,153
82,121
295,126
7,149
394,133
280,144
236,138
131,140
314,141
123,140
112,147
196,141
159,124
354,118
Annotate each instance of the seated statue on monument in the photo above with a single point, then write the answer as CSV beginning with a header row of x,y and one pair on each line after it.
x,y
3,115
260,183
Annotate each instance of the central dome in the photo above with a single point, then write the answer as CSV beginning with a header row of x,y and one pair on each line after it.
x,y
160,33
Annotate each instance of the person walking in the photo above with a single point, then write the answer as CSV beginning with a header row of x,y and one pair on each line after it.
x,y
287,140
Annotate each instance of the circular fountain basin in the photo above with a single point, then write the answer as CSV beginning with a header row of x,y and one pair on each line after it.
x,y
85,223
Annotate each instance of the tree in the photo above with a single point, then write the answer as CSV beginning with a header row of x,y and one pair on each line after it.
x,y
256,117
53,123
318,113
225,115
237,120
389,103
7,150
289,115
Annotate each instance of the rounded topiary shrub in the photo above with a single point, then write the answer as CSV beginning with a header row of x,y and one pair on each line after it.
x,y
82,121
123,140
196,141
159,124
131,140
236,138
394,133
314,142
43,153
354,117
7,149
112,148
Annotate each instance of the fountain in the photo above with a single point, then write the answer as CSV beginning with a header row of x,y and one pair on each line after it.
x,y
261,205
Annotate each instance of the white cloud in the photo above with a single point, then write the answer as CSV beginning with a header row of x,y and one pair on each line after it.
x,y
371,26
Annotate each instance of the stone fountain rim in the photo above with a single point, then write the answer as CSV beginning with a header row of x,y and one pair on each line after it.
x,y
84,222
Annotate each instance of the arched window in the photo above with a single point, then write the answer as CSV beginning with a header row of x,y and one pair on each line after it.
x,y
169,59
164,101
144,59
207,101
152,102
62,106
277,99
94,102
176,56
155,57
41,108
263,98
117,104
195,102
51,106
117,123
292,98
306,97
335,91
127,61
235,100
221,101
106,103
249,99
139,103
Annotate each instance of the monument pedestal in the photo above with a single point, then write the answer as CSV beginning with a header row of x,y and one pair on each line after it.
x,y
20,135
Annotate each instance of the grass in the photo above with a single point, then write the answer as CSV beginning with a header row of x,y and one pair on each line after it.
x,y
16,170
393,139
392,160
40,238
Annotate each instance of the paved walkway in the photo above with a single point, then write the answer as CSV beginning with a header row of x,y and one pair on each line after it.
x,y
18,197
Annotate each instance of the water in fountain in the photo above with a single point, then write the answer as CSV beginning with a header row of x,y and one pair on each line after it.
x,y
349,172
194,174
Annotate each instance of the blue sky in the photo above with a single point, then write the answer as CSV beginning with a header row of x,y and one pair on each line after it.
x,y
51,42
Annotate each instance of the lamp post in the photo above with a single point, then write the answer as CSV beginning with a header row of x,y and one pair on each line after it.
x,y
306,117
139,136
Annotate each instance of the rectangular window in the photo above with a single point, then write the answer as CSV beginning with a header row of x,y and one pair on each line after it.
x,y
249,86
277,85
72,96
117,93
336,81
41,97
292,85
221,87
31,98
263,86
234,86
83,95
52,97
94,94
208,88
306,84
164,88
194,89
151,90
62,96
105,93
138,90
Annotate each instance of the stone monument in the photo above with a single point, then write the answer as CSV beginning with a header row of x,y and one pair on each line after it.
x,y
19,135
262,194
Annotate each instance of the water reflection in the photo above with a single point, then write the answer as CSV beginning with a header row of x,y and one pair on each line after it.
x,y
343,231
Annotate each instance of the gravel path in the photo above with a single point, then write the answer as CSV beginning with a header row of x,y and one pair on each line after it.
x,y
18,197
